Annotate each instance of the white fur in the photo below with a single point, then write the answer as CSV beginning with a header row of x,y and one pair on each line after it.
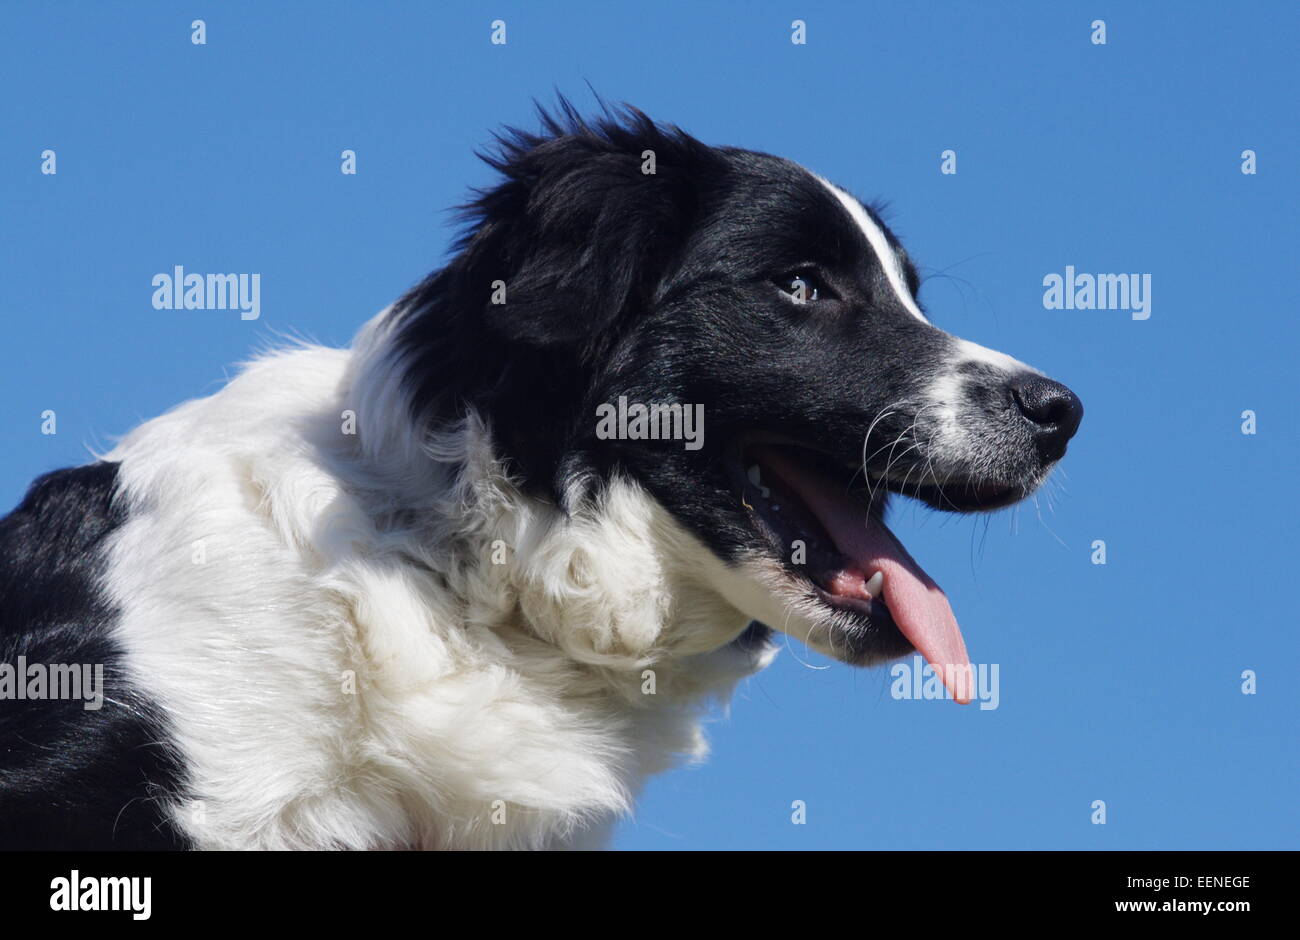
x,y
946,433
341,662
974,352
949,436
942,403
879,246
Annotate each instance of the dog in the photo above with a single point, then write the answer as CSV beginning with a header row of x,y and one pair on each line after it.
x,y
466,584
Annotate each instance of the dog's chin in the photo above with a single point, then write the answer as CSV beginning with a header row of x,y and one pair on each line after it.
x,y
960,493
853,631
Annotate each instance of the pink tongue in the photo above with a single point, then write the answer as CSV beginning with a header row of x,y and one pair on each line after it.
x,y
916,603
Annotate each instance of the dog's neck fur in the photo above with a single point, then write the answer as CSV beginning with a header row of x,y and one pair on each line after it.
x,y
446,662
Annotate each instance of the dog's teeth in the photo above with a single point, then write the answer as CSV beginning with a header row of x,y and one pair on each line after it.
x,y
756,477
876,582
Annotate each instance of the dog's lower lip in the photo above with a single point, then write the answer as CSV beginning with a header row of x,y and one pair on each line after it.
x,y
953,495
875,611
965,497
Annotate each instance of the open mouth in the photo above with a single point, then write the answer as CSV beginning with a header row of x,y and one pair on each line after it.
x,y
833,536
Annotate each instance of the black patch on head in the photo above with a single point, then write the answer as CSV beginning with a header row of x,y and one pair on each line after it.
x,y
666,288
580,236
72,778
659,287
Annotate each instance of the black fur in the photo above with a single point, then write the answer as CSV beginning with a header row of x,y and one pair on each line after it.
x,y
71,777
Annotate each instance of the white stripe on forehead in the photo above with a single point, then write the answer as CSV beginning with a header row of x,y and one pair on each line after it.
x,y
880,245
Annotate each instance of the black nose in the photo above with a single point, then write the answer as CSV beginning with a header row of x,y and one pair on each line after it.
x,y
1052,409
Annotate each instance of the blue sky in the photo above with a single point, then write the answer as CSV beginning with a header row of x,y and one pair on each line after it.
x,y
1119,682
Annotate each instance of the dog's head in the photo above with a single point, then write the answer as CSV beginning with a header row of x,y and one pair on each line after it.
x,y
742,339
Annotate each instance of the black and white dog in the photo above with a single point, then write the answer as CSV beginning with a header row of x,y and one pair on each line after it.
x,y
465,584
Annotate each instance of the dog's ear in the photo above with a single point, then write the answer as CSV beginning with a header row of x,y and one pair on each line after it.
x,y
582,230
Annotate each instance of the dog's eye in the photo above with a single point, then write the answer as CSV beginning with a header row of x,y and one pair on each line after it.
x,y
804,286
